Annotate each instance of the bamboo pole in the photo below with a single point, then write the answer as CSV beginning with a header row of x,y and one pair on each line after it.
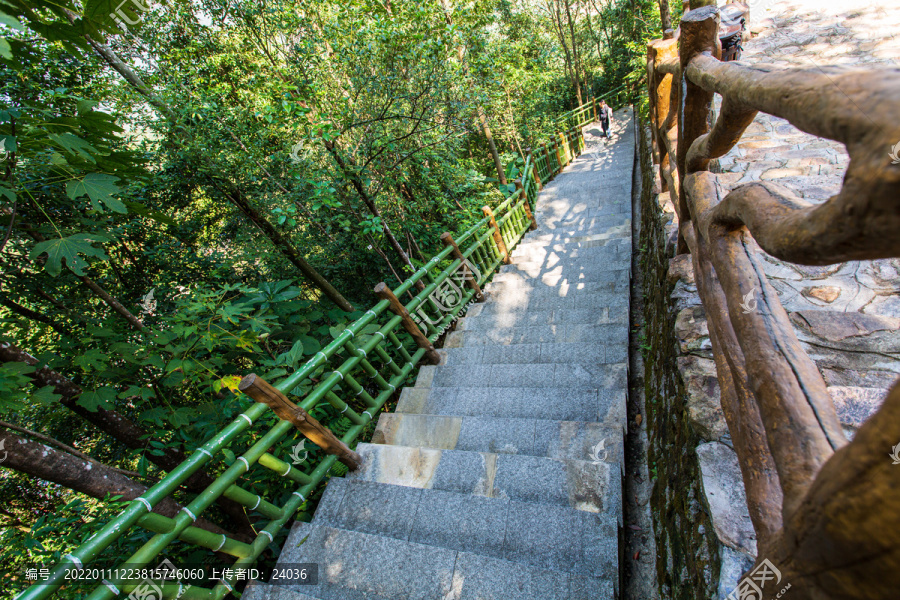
x,y
261,391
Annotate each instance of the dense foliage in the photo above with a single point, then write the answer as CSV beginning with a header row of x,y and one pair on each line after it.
x,y
202,188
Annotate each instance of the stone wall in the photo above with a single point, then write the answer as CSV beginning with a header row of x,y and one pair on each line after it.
x,y
687,550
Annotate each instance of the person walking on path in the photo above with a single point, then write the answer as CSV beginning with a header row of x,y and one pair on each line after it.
x,y
605,117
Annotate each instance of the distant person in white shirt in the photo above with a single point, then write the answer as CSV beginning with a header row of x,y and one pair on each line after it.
x,y
605,117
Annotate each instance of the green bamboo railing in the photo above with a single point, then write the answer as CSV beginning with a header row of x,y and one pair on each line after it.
x,y
366,369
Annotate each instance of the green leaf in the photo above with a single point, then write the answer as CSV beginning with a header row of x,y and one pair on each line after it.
x,y
310,344
45,396
75,145
99,188
102,397
69,248
5,49
182,417
11,22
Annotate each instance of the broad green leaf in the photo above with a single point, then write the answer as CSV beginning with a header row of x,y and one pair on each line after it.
x,y
75,145
99,188
102,397
5,49
310,344
46,396
68,249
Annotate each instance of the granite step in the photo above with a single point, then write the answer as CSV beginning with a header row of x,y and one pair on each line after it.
x,y
362,566
530,437
588,486
587,269
609,334
509,303
605,405
504,319
515,286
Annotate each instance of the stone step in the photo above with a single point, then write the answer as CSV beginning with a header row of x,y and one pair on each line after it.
x,y
515,286
589,486
525,354
587,316
586,269
566,235
605,405
361,566
523,252
531,437
611,334
499,303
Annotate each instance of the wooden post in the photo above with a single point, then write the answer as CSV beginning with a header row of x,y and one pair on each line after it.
x,y
261,391
385,293
560,141
521,189
447,239
498,238
534,173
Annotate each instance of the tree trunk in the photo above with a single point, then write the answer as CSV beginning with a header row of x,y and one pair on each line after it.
x,y
370,204
93,479
575,57
482,119
665,15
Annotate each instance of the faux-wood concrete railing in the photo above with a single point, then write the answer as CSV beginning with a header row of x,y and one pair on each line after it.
x,y
826,512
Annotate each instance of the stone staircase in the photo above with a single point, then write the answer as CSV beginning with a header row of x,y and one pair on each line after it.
x,y
499,475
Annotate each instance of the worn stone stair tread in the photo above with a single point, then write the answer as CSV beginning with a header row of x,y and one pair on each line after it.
x,y
500,303
360,566
532,437
471,523
503,319
552,333
603,405
588,486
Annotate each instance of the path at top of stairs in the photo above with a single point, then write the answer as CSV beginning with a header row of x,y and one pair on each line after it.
x,y
499,475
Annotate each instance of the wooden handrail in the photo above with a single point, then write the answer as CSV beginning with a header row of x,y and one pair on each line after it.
x,y
818,504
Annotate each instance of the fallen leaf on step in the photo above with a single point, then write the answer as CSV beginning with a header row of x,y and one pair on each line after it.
x,y
639,419
635,527
637,555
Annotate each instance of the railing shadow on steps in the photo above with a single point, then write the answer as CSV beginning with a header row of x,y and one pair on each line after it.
x,y
826,512
374,355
